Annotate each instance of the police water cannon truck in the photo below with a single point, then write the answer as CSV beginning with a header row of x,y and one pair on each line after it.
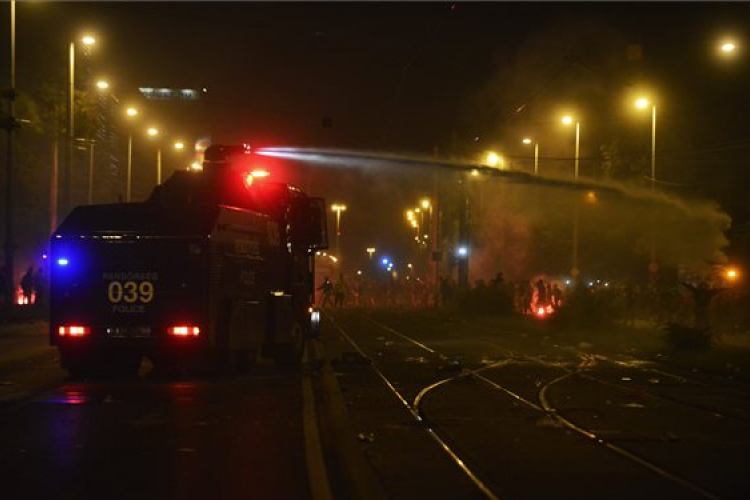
x,y
213,269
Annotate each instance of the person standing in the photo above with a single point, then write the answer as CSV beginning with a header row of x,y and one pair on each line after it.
x,y
40,288
327,289
27,285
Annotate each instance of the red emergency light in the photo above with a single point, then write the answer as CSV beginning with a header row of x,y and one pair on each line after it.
x,y
184,331
73,331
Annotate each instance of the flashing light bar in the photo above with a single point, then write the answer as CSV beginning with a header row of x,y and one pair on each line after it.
x,y
63,261
260,173
73,331
184,331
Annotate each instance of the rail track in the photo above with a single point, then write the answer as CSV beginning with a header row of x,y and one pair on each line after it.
x,y
540,401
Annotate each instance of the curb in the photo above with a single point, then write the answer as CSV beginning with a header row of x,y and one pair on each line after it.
x,y
360,481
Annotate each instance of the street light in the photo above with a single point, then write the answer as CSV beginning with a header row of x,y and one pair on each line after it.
x,y
528,141
370,251
728,48
9,247
87,40
102,85
568,120
154,132
493,159
91,144
338,208
643,103
130,113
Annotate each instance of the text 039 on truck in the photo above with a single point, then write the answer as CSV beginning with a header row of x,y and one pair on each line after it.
x,y
214,268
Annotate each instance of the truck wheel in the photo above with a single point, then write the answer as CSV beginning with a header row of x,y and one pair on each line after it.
x,y
78,365
290,354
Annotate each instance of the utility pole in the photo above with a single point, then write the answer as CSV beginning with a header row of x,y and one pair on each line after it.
x,y
463,237
10,124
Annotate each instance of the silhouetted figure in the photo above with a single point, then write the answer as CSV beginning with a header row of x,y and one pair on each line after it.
x,y
527,296
27,285
541,292
4,287
556,296
446,293
498,281
40,288
339,292
327,289
702,296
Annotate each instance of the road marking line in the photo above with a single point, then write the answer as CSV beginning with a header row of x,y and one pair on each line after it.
x,y
316,470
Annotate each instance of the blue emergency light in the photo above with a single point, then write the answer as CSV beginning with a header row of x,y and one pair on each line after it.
x,y
62,261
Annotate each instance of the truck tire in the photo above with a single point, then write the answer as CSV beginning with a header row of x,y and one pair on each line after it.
x,y
290,354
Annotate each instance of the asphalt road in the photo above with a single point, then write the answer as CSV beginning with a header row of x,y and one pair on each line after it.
x,y
439,407
210,437
448,408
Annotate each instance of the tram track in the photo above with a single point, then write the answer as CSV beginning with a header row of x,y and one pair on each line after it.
x,y
542,405
636,365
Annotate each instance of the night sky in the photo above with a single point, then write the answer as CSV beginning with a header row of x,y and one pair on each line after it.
x,y
427,78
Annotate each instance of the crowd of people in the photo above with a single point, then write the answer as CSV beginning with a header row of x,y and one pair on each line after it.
x,y
683,302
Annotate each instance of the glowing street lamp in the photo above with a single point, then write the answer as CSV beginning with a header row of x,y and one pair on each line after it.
x,y
87,40
338,208
370,251
527,142
644,103
493,159
568,120
179,145
153,132
727,48
102,84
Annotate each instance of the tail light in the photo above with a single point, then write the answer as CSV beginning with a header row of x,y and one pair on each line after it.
x,y
73,331
184,331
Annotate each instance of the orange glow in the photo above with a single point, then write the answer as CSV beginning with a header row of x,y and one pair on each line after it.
x,y
22,300
184,331
732,274
260,173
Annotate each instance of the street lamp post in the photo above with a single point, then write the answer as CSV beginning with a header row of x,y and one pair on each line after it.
x,y
574,271
9,246
536,154
338,208
90,144
643,103
68,173
154,132
131,113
